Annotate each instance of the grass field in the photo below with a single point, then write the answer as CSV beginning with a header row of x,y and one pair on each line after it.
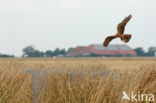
x,y
135,74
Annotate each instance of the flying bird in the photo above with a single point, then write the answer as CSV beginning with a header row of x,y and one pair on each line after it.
x,y
120,32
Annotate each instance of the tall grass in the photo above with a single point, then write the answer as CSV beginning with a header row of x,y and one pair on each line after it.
x,y
135,75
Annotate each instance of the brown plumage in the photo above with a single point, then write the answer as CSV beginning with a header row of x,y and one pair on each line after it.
x,y
120,32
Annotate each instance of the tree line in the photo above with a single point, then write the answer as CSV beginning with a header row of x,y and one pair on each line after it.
x,y
140,51
6,56
30,51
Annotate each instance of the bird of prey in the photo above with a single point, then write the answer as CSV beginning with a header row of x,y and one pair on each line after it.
x,y
120,32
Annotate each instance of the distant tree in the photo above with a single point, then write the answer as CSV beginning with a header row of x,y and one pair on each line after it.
x,y
62,51
28,50
151,51
6,56
69,49
56,51
41,54
35,53
140,51
49,53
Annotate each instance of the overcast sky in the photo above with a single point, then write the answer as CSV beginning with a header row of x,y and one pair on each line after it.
x,y
48,24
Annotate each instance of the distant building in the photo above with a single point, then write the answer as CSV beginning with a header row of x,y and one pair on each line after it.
x,y
99,50
80,51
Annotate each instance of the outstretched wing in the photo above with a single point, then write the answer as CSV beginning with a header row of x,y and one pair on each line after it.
x,y
107,40
121,26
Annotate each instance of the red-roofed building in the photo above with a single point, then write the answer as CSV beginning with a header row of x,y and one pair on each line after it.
x,y
80,51
99,50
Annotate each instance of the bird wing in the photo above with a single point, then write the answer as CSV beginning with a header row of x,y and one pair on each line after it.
x,y
107,40
121,26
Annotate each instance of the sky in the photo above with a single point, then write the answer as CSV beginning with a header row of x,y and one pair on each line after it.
x,y
50,24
